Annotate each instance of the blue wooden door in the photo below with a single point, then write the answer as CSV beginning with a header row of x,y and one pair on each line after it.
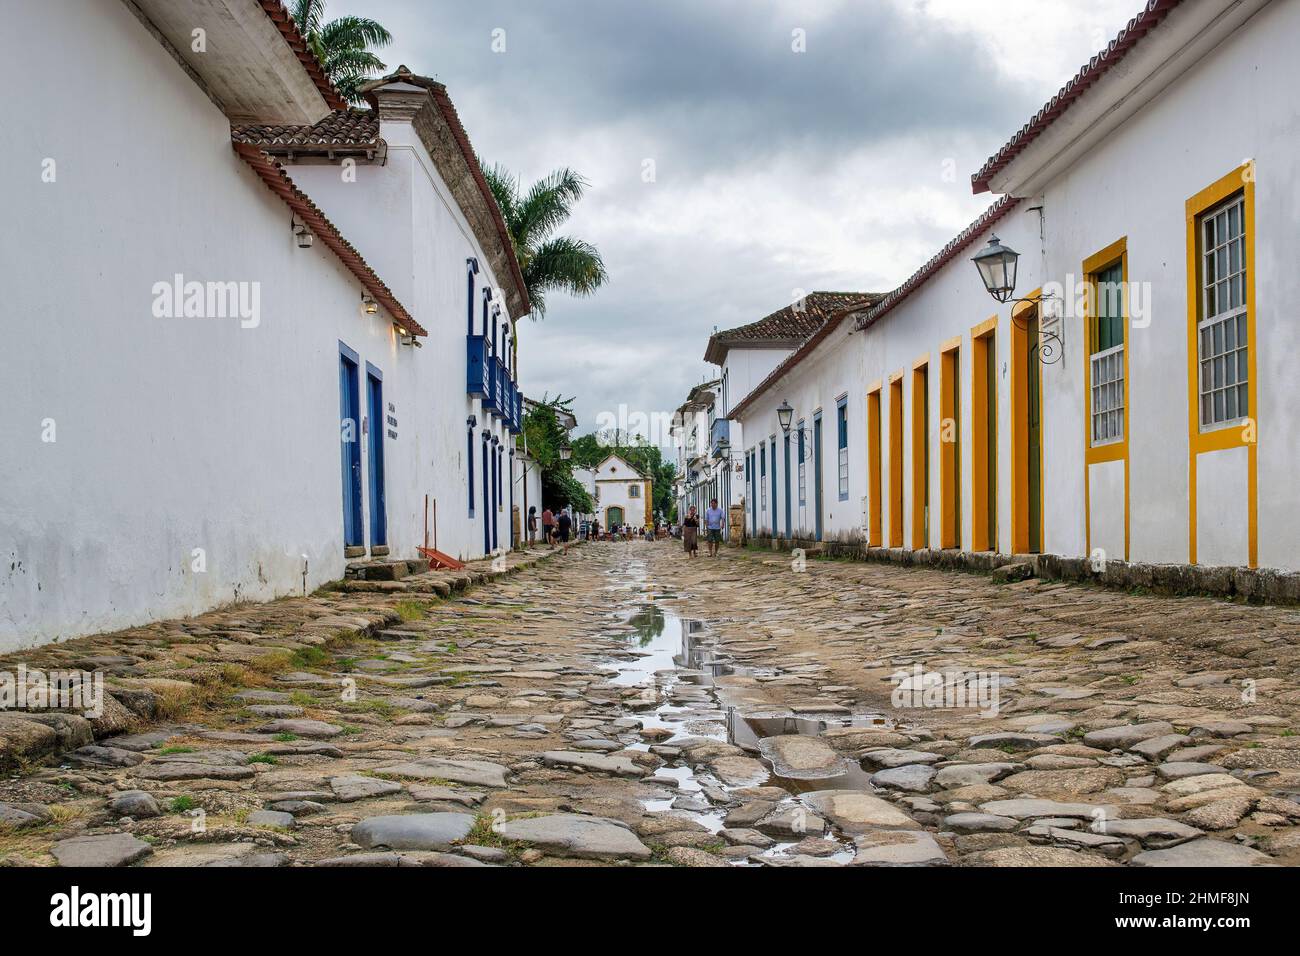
x,y
789,524
350,446
817,472
375,403
487,498
496,492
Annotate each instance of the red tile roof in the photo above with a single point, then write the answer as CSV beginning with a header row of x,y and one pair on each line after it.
x,y
832,323
1147,20
788,326
340,130
278,180
869,313
284,22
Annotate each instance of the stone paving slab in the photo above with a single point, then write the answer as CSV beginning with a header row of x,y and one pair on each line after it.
x,y
430,726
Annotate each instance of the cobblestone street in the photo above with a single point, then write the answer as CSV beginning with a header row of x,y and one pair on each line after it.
x,y
620,704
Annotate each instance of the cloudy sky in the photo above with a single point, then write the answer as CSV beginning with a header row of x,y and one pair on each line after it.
x,y
842,166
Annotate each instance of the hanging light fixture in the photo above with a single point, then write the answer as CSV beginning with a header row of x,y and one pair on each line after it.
x,y
784,413
368,304
997,267
301,234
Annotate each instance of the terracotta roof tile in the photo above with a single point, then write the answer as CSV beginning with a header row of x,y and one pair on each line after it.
x,y
869,313
351,127
284,22
918,278
790,325
1142,24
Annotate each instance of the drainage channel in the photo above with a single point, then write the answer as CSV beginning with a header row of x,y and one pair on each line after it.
x,y
678,664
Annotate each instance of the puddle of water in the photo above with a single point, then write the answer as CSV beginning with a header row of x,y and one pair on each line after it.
x,y
671,650
656,638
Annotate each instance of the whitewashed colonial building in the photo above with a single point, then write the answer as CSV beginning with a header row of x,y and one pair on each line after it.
x,y
1135,412
623,495
242,358
701,469
745,471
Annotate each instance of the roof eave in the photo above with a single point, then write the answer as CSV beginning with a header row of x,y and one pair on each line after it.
x,y
279,182
1075,91
1112,95
254,64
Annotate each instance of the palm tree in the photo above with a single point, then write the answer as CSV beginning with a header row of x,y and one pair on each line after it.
x,y
547,262
342,46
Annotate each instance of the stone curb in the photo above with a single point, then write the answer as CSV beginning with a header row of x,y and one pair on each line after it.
x,y
1252,585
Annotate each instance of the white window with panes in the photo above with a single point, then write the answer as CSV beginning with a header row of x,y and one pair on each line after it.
x,y
1106,362
1221,329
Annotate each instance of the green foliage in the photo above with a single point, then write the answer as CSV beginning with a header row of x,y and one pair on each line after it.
x,y
547,262
343,46
546,436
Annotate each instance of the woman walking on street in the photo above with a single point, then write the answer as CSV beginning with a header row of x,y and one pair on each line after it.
x,y
691,532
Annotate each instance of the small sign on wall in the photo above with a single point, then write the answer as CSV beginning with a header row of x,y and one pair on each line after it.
x,y
392,421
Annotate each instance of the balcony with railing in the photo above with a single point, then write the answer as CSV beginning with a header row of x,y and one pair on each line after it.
x,y
479,368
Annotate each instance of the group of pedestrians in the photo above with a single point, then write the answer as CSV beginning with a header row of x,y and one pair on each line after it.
x,y
713,516
556,528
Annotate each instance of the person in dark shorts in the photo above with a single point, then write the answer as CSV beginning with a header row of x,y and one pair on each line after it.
x,y
713,516
563,525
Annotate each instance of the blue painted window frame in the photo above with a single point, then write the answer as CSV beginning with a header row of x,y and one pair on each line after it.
x,y
469,458
842,447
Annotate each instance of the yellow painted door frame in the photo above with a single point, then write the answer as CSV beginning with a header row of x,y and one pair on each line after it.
x,y
950,443
896,460
984,430
1023,351
921,453
874,475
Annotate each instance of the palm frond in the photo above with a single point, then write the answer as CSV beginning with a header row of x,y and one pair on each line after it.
x,y
308,14
349,86
563,263
343,63
354,33
505,190
548,204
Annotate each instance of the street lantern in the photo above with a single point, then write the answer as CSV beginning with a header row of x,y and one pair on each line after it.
x,y
997,266
783,414
565,453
